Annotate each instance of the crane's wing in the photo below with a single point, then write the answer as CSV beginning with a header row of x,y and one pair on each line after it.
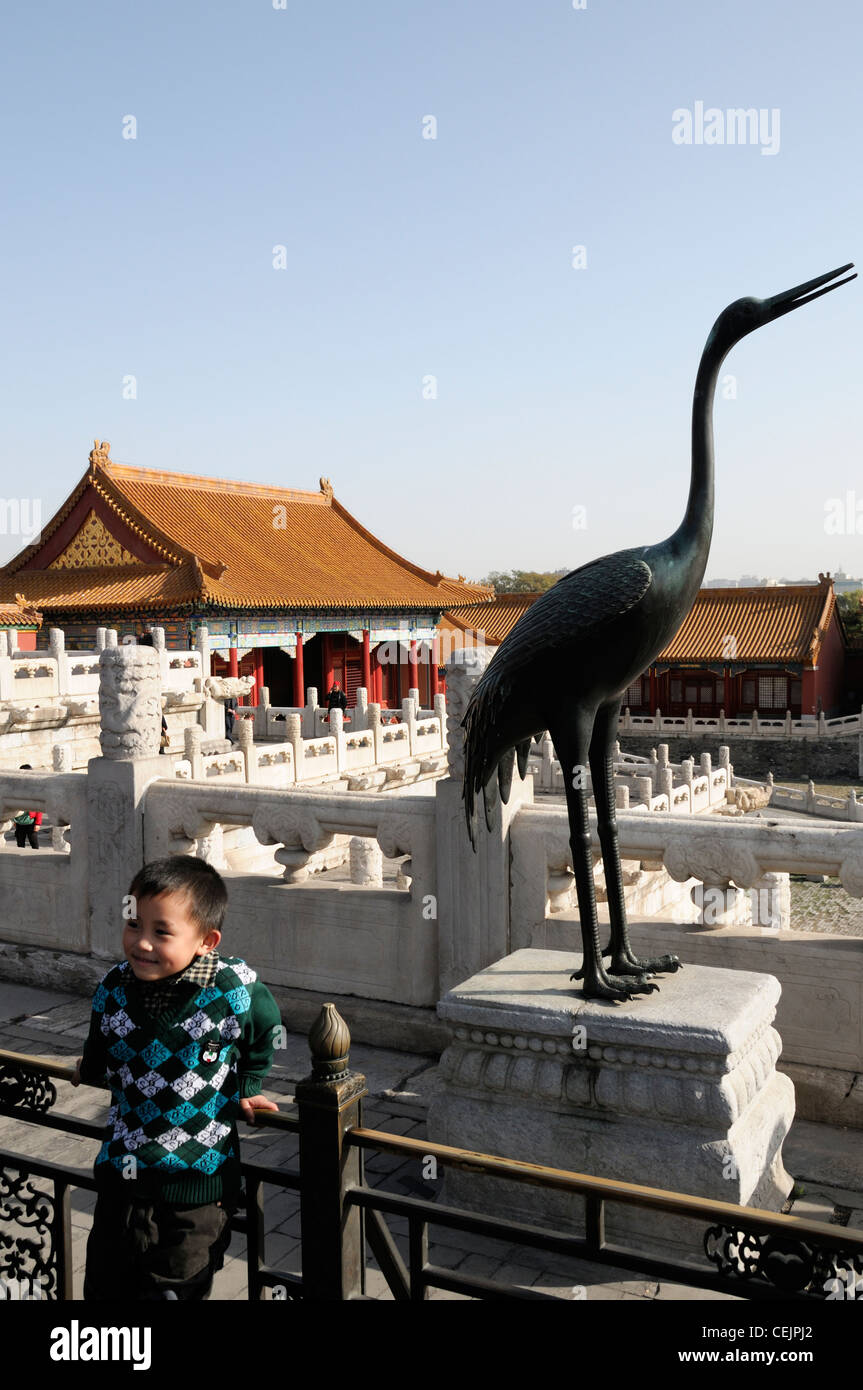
x,y
586,599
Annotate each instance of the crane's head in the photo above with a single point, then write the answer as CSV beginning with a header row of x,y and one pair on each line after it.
x,y
745,315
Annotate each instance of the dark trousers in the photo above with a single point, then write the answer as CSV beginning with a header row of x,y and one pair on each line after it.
x,y
26,832
143,1249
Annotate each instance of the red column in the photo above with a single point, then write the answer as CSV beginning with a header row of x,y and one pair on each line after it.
x,y
653,689
433,659
258,658
413,672
299,678
378,678
728,710
233,665
367,665
329,672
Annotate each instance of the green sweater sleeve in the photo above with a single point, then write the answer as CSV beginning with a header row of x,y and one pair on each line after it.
x,y
94,1057
258,1040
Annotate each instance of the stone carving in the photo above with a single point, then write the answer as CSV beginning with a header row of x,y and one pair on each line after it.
x,y
298,830
741,799
99,454
130,702
228,687
366,862
702,856
463,670
395,834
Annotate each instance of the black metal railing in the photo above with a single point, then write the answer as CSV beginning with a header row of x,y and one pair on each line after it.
x,y
749,1253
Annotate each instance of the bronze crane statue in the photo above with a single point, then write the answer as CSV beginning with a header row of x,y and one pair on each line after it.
x,y
590,636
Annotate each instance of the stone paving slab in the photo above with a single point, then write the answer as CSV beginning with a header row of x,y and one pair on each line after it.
x,y
827,1161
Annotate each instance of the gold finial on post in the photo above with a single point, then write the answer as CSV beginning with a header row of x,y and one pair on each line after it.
x,y
329,1043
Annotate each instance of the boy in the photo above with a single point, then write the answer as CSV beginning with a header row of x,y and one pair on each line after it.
x,y
184,1038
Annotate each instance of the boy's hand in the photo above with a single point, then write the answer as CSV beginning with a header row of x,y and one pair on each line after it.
x,y
250,1104
76,1079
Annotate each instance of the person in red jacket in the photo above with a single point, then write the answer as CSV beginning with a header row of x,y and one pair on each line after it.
x,y
27,823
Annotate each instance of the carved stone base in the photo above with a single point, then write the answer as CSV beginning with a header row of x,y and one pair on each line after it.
x,y
676,1090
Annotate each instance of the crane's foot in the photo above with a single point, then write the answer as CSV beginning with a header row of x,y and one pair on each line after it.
x,y
599,985
625,963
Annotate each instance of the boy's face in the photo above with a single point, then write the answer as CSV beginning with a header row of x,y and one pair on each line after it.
x,y
163,938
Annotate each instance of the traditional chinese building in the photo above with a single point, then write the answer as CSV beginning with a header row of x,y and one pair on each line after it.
x,y
766,649
743,650
481,623
24,621
292,589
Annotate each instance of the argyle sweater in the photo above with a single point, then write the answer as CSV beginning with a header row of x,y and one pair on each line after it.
x,y
177,1079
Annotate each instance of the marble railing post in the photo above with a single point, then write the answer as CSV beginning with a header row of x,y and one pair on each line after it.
x,y
439,703
473,888
246,746
546,776
260,719
310,713
409,717
57,648
131,718
644,790
337,733
193,736
374,718
665,783
361,709
294,736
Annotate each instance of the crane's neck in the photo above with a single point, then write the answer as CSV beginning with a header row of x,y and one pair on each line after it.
x,y
691,540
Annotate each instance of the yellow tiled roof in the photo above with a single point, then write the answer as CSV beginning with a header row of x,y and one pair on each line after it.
x,y
19,614
782,623
117,586
776,624
495,617
233,545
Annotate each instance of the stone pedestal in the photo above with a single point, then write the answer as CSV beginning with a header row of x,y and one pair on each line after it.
x,y
677,1090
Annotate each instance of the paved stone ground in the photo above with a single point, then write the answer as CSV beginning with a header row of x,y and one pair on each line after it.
x,y
827,1162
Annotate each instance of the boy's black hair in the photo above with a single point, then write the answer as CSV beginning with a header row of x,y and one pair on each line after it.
x,y
183,873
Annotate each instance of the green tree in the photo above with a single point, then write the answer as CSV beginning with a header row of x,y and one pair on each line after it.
x,y
522,581
852,612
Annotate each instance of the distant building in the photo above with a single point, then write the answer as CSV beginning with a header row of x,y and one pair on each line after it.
x,y
292,589
24,620
766,648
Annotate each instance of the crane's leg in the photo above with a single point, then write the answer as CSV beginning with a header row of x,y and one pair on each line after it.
x,y
572,750
623,960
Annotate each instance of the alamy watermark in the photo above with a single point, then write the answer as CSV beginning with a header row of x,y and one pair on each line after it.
x,y
735,126
22,517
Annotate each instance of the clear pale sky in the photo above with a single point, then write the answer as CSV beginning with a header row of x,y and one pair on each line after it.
x,y
409,258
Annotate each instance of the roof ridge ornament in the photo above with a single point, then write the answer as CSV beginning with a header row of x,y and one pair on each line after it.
x,y
326,489
99,454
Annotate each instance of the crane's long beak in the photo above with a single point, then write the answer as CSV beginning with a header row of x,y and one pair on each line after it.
x,y
781,304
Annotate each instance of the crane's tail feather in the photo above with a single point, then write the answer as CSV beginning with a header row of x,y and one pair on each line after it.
x,y
522,753
490,801
504,775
